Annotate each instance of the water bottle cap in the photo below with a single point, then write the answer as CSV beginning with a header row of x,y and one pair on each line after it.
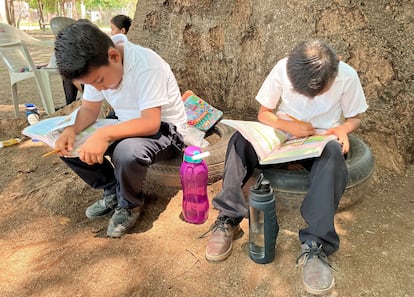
x,y
262,189
191,151
30,106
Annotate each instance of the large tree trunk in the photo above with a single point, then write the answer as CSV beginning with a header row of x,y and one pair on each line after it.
x,y
223,50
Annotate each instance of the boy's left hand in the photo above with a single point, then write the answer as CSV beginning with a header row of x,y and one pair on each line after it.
x,y
350,125
93,150
342,135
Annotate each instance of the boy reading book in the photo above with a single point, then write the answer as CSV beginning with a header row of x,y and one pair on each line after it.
x,y
143,92
312,86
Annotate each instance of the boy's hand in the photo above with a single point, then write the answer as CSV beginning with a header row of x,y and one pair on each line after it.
x,y
93,150
350,125
342,135
300,129
293,126
66,141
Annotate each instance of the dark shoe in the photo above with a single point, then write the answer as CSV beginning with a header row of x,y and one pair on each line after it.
x,y
122,220
317,272
221,241
102,207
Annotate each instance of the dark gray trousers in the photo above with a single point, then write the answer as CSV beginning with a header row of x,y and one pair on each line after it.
x,y
71,91
130,158
327,178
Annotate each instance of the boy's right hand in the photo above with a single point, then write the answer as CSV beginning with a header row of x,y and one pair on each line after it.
x,y
66,141
285,122
300,129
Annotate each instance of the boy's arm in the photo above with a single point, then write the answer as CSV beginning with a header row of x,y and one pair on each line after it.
x,y
147,125
295,128
92,151
87,115
342,131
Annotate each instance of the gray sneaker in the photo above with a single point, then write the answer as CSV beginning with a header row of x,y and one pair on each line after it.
x,y
102,207
122,220
317,272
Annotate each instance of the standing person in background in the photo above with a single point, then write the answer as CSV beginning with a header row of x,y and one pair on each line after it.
x,y
120,24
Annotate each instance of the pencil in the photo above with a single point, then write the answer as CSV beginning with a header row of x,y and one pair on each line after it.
x,y
295,119
303,140
50,153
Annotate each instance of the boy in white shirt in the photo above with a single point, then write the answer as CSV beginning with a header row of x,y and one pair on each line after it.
x,y
311,85
143,92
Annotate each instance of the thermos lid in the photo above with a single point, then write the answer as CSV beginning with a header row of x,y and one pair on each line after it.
x,y
189,152
262,186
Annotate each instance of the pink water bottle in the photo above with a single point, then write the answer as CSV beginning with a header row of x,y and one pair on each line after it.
x,y
194,180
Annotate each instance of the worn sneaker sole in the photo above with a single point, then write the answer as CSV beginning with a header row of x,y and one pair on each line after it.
x,y
117,232
121,229
103,207
238,233
319,292
94,216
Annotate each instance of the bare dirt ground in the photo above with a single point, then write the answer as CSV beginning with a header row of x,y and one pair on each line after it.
x,y
49,248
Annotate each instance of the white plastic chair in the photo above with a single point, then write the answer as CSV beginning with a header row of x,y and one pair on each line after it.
x,y
16,56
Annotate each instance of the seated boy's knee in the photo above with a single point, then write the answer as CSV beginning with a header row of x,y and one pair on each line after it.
x,y
128,152
237,139
333,148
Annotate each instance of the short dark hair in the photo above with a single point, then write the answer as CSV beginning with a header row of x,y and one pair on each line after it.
x,y
310,67
80,47
122,21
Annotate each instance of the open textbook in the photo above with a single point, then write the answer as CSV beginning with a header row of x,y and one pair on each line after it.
x,y
273,146
48,130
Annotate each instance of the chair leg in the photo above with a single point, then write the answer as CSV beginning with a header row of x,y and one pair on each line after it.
x,y
46,92
15,100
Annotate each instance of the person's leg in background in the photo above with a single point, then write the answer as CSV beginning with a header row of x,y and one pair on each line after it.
x,y
70,89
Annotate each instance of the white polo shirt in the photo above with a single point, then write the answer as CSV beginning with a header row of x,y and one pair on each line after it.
x,y
147,82
345,97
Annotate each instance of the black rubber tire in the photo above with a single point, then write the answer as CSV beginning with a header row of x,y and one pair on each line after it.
x,y
290,186
166,173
